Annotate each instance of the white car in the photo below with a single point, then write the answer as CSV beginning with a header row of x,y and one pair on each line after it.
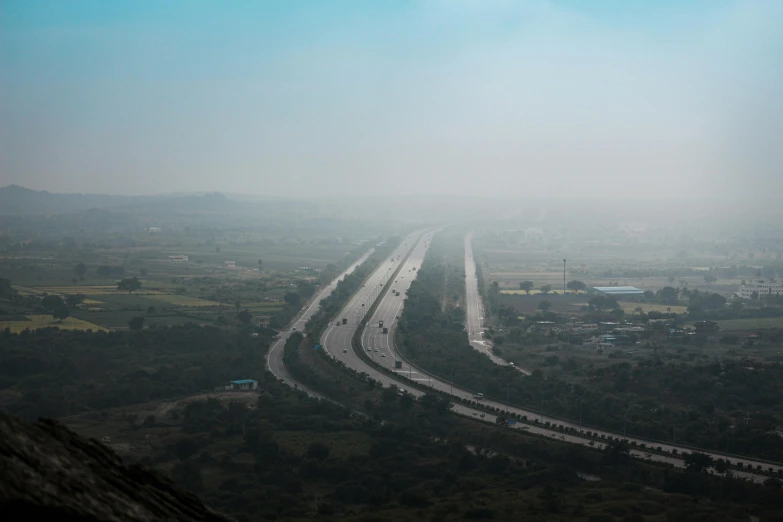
x,y
376,350
383,355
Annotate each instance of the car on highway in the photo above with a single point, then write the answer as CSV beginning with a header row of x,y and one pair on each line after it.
x,y
376,350
345,350
383,355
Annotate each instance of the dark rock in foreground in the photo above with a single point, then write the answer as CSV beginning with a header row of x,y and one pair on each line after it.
x,y
47,472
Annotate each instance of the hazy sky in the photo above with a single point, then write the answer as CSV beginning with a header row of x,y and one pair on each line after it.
x,y
530,98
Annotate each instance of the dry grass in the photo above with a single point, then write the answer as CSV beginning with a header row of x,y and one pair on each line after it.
x,y
44,321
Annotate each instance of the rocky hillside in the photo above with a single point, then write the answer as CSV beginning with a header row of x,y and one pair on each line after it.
x,y
47,472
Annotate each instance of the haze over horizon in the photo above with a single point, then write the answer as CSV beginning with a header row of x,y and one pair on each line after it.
x,y
561,98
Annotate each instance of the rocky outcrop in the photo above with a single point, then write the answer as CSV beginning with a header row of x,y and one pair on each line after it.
x,y
47,472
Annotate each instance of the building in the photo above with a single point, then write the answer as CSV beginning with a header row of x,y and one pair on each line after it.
x,y
230,264
761,287
179,258
153,229
617,291
244,385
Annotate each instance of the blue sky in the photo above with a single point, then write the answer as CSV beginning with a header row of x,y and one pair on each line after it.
x,y
530,97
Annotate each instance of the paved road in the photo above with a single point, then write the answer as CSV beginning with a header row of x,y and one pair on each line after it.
x,y
474,316
274,358
337,341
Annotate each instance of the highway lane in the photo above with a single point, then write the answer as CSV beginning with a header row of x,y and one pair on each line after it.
x,y
274,358
390,307
388,310
474,316
336,339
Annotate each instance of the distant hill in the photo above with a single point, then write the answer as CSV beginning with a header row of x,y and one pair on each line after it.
x,y
16,200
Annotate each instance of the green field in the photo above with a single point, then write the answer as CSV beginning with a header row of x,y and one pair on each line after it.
x,y
183,300
750,324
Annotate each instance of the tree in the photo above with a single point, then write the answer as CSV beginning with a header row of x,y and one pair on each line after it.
x,y
292,298
129,283
245,317
709,279
5,287
546,289
668,295
576,285
61,313
52,302
260,264
527,286
696,462
74,299
80,270
143,272
544,305
137,323
318,451
603,302
149,421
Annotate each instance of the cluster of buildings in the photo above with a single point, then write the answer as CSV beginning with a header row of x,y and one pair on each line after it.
x,y
760,287
610,334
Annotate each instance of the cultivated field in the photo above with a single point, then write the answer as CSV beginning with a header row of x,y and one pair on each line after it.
x,y
35,321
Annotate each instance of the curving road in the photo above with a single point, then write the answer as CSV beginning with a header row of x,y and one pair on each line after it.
x,y
274,358
337,342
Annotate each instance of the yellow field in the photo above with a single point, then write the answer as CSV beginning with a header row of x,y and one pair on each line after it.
x,y
183,300
43,321
86,290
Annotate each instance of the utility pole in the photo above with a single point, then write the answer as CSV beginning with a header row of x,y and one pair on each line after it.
x,y
564,276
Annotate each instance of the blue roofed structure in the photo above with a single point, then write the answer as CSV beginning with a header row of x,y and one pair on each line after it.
x,y
244,384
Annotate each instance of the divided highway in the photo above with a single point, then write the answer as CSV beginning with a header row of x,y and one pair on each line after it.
x,y
337,341
274,358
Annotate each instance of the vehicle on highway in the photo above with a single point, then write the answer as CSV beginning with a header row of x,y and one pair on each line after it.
x,y
478,396
383,355
376,350
385,330
345,321
380,324
369,349
345,350
398,363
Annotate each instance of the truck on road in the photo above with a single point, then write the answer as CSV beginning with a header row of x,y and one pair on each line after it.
x,y
380,324
478,396
345,321
385,330
398,363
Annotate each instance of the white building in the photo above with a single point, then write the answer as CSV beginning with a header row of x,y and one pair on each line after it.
x,y
230,264
179,258
762,286
153,229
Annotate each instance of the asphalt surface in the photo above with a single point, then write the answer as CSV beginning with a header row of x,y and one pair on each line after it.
x,y
337,342
474,316
274,358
